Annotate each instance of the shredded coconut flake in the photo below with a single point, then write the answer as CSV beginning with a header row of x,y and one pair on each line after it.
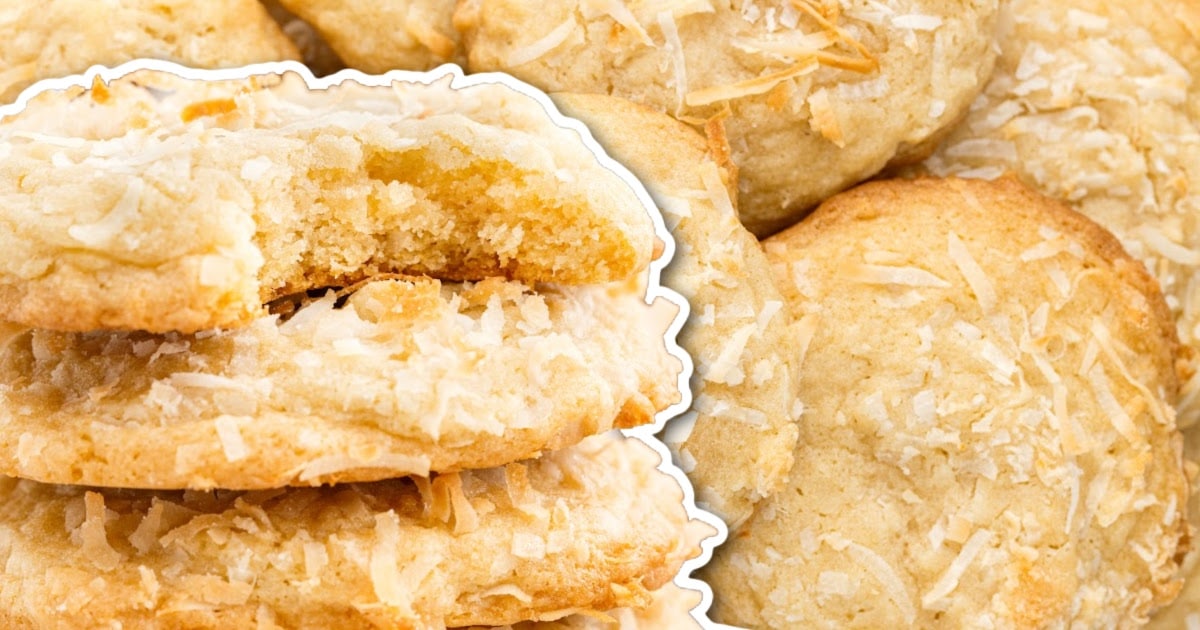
x,y
949,580
230,436
904,276
539,48
751,87
94,536
824,117
725,368
1102,388
717,193
917,22
981,285
887,576
670,31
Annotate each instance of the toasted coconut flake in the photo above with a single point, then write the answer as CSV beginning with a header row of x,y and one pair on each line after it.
x,y
751,87
145,537
466,519
201,109
824,118
95,536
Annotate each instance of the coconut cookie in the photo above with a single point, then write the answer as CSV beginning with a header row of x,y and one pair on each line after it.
x,y
739,448
159,203
583,529
815,95
385,35
1090,104
61,37
410,376
988,436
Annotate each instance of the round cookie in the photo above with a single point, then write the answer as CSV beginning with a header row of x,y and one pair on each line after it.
x,y
57,38
583,529
383,35
409,376
737,446
166,204
988,436
816,95
1094,102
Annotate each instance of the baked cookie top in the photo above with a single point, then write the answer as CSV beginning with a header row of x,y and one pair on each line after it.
x,y
582,529
160,203
409,376
381,35
816,95
1094,103
988,435
737,448
56,38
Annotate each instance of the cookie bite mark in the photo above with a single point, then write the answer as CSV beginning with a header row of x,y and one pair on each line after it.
x,y
180,205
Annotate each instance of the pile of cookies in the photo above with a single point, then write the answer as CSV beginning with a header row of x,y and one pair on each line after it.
x,y
337,358
955,406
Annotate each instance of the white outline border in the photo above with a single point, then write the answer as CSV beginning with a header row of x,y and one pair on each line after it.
x,y
458,79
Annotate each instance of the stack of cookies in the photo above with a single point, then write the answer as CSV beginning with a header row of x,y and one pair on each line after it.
x,y
282,357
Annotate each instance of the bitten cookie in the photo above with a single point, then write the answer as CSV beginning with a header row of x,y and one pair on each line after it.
x,y
56,38
988,436
1094,103
583,529
159,203
410,376
738,447
816,95
382,35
